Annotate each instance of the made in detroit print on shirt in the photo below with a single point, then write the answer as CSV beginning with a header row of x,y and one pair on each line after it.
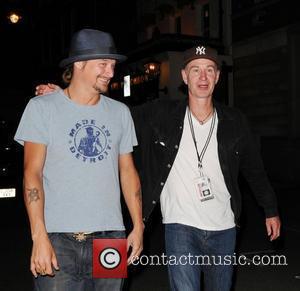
x,y
89,142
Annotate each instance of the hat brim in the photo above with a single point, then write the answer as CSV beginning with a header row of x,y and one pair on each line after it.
x,y
201,57
71,60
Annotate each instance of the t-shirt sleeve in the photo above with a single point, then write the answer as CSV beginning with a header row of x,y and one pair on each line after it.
x,y
34,124
128,139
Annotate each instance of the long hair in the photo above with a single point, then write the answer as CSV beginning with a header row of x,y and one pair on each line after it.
x,y
67,74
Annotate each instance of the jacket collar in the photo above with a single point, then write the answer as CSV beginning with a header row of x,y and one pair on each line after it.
x,y
221,110
180,110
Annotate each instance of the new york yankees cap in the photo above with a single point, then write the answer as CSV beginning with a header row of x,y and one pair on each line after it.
x,y
200,52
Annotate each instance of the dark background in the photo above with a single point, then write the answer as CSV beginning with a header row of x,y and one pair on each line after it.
x,y
31,51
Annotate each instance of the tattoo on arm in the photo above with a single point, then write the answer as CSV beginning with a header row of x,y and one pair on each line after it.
x,y
138,195
33,194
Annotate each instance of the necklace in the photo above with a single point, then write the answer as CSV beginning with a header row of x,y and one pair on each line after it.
x,y
212,126
206,117
69,96
68,93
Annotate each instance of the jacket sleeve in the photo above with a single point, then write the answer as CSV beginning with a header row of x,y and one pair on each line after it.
x,y
253,170
141,115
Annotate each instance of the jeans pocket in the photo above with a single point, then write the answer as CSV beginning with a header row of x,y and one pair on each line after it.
x,y
52,236
65,252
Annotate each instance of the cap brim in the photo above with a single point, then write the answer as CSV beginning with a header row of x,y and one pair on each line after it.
x,y
199,57
71,60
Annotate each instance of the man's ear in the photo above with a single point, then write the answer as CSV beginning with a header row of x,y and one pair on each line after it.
x,y
184,76
217,76
79,65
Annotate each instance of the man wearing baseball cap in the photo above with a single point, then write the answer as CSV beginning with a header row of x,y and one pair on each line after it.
x,y
71,180
191,154
189,157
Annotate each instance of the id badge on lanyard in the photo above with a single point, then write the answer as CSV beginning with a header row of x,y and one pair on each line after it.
x,y
203,188
202,182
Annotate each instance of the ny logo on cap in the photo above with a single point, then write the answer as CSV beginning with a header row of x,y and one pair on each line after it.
x,y
200,50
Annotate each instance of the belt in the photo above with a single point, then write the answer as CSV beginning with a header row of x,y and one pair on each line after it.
x,y
81,236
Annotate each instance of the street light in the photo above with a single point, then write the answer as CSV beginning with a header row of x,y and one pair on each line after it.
x,y
152,68
14,17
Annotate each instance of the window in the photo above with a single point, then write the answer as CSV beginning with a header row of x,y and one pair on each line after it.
x,y
205,11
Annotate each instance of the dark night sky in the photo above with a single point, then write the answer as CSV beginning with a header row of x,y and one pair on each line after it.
x,y
21,44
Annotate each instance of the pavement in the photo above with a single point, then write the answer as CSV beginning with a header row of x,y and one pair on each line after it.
x,y
15,247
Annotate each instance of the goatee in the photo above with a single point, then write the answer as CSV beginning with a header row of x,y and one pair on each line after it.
x,y
101,90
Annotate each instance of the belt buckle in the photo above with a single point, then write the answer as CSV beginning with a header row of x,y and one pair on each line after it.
x,y
80,236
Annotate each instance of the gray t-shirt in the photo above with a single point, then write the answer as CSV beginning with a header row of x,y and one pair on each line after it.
x,y
80,175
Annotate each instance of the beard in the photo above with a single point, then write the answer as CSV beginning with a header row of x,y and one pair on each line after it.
x,y
100,88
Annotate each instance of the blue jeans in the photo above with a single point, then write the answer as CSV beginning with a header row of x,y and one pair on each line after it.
x,y
75,260
199,251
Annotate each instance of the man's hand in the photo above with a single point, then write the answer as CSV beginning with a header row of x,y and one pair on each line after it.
x,y
43,257
135,241
46,88
273,227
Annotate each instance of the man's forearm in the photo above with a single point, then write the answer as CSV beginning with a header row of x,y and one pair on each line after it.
x,y
134,204
131,188
34,202
133,201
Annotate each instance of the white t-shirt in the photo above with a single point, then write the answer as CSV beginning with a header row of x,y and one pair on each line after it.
x,y
180,203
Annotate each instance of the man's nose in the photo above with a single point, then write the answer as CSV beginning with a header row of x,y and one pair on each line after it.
x,y
109,71
203,75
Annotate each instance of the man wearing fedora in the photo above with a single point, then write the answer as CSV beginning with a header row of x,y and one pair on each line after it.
x,y
189,157
71,192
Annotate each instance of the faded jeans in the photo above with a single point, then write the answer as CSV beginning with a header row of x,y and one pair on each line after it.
x,y
75,260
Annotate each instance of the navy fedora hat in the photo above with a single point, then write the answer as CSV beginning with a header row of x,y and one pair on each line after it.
x,y
90,44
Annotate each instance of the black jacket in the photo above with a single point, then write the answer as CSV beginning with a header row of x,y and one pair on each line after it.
x,y
159,127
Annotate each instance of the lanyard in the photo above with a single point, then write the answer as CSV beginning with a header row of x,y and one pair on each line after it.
x,y
212,126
